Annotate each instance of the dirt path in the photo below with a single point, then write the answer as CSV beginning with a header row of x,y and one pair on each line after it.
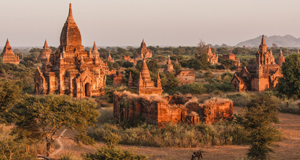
x,y
60,144
288,148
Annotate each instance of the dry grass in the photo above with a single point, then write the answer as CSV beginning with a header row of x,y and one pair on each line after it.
x,y
288,148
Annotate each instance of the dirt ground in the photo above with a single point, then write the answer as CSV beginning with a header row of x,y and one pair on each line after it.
x,y
287,149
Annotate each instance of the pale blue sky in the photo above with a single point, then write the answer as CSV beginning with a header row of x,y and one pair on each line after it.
x,y
159,22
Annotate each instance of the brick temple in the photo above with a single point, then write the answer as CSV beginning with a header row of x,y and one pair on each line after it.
x,y
186,76
110,58
231,56
145,52
127,58
45,52
71,70
145,85
160,111
262,75
212,58
281,59
8,55
169,67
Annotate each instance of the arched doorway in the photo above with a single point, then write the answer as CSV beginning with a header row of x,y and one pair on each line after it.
x,y
37,88
87,90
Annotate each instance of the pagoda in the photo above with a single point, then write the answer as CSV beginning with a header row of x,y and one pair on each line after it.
x,y
145,85
212,58
8,55
169,67
145,52
45,52
71,70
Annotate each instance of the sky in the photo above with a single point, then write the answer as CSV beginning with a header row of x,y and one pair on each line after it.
x,y
159,22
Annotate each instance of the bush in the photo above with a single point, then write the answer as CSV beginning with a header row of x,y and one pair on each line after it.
x,y
191,88
208,74
175,135
106,153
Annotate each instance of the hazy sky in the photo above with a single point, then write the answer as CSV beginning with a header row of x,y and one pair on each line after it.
x,y
159,22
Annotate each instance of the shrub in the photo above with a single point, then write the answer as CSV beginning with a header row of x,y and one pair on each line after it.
x,y
106,153
191,88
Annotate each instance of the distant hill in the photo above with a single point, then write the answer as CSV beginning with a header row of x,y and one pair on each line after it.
x,y
280,41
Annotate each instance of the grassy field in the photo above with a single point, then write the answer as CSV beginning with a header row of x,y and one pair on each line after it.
x,y
288,148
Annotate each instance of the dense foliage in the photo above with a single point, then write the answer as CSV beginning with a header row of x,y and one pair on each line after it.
x,y
38,118
290,83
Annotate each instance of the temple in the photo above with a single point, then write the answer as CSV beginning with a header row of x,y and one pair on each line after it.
x,y
8,55
110,58
212,58
280,59
117,78
186,76
71,70
262,75
145,52
231,56
45,52
127,58
145,85
169,67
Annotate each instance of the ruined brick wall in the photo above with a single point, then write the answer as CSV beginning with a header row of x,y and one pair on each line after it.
x,y
186,77
176,109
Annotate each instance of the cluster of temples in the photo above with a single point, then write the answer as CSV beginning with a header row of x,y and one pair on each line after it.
x,y
71,70
262,75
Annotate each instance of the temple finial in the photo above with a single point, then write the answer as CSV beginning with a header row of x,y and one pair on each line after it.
x,y
70,16
46,44
263,41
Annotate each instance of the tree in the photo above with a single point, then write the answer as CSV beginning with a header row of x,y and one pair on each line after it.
x,y
202,56
193,63
228,63
169,82
37,117
10,91
127,64
289,84
153,65
257,118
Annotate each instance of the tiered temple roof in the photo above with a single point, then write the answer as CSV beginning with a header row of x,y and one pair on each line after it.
x,y
8,55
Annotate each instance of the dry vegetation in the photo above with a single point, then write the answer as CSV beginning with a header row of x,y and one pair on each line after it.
x,y
288,148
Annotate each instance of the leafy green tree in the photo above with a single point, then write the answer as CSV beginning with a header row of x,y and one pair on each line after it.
x,y
139,64
177,67
202,55
228,63
153,65
290,83
169,82
127,64
257,118
193,63
36,117
13,149
10,91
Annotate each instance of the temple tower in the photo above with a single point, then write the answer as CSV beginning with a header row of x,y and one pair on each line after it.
x,y
169,68
8,55
45,52
280,59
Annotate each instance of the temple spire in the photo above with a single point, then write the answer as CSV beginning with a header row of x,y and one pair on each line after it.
x,y
46,45
280,53
70,16
7,42
169,60
263,41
